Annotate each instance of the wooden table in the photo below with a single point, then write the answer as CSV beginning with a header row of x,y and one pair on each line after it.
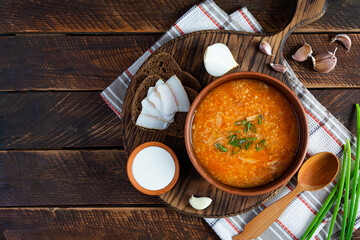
x,y
62,163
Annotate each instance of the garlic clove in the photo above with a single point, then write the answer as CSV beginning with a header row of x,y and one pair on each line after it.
x,y
344,39
302,53
218,60
200,203
265,48
324,62
278,67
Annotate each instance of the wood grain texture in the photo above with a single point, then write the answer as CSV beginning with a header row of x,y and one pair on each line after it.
x,y
155,15
105,223
61,177
341,103
67,62
93,62
34,120
345,74
67,177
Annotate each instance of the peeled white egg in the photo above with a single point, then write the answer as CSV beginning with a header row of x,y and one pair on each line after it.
x,y
218,60
200,203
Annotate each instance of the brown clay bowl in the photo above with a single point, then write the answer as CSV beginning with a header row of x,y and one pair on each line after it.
x,y
303,134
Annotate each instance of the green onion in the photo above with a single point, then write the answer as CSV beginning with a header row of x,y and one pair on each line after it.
x,y
238,142
347,190
322,215
249,141
233,131
260,119
252,128
260,145
339,195
220,147
235,152
240,123
355,204
322,210
232,138
247,127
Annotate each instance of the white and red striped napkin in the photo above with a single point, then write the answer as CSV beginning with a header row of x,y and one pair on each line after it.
x,y
326,132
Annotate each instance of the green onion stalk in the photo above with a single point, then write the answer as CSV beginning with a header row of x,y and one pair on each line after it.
x,y
339,195
347,190
355,200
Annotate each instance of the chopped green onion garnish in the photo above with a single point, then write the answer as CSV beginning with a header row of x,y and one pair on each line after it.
x,y
233,131
252,128
260,145
249,141
240,123
232,138
238,142
220,147
260,119
235,152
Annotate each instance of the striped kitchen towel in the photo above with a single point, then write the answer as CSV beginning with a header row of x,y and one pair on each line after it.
x,y
326,132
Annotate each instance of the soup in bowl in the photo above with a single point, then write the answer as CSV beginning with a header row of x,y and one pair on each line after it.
x,y
246,133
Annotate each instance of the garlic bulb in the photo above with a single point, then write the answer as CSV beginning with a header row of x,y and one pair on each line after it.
x,y
302,53
218,60
278,67
344,39
265,48
324,62
200,203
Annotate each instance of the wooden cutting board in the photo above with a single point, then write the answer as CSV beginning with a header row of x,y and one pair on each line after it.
x,y
188,51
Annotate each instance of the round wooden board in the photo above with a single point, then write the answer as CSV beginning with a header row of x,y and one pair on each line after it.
x,y
192,46
188,51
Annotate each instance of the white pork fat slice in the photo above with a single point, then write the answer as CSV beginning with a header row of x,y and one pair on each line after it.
x,y
168,100
159,82
150,109
149,121
154,97
178,90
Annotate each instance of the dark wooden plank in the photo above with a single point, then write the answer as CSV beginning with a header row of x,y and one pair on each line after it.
x,y
67,177
67,62
107,223
346,72
341,103
155,15
93,62
122,16
56,120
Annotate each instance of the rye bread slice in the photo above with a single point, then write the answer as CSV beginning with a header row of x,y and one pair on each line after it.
x,y
176,128
164,66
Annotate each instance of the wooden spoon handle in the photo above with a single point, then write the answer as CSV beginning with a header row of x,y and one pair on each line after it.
x,y
262,221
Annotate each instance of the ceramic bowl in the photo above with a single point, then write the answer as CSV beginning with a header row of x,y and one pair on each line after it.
x,y
131,173
303,134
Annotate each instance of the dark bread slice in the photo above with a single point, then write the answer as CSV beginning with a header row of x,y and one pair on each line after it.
x,y
164,66
176,128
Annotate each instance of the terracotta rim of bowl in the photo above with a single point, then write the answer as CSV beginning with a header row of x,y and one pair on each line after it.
x,y
132,178
303,134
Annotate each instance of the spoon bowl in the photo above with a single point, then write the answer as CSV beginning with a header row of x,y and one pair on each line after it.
x,y
316,173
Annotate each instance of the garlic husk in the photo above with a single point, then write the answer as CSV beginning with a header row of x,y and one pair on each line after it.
x,y
278,67
324,62
302,53
218,60
265,48
200,203
344,39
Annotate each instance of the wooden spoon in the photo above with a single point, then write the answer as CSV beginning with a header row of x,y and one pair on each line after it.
x,y
316,173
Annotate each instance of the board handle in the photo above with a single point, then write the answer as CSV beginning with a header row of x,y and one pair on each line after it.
x,y
307,11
